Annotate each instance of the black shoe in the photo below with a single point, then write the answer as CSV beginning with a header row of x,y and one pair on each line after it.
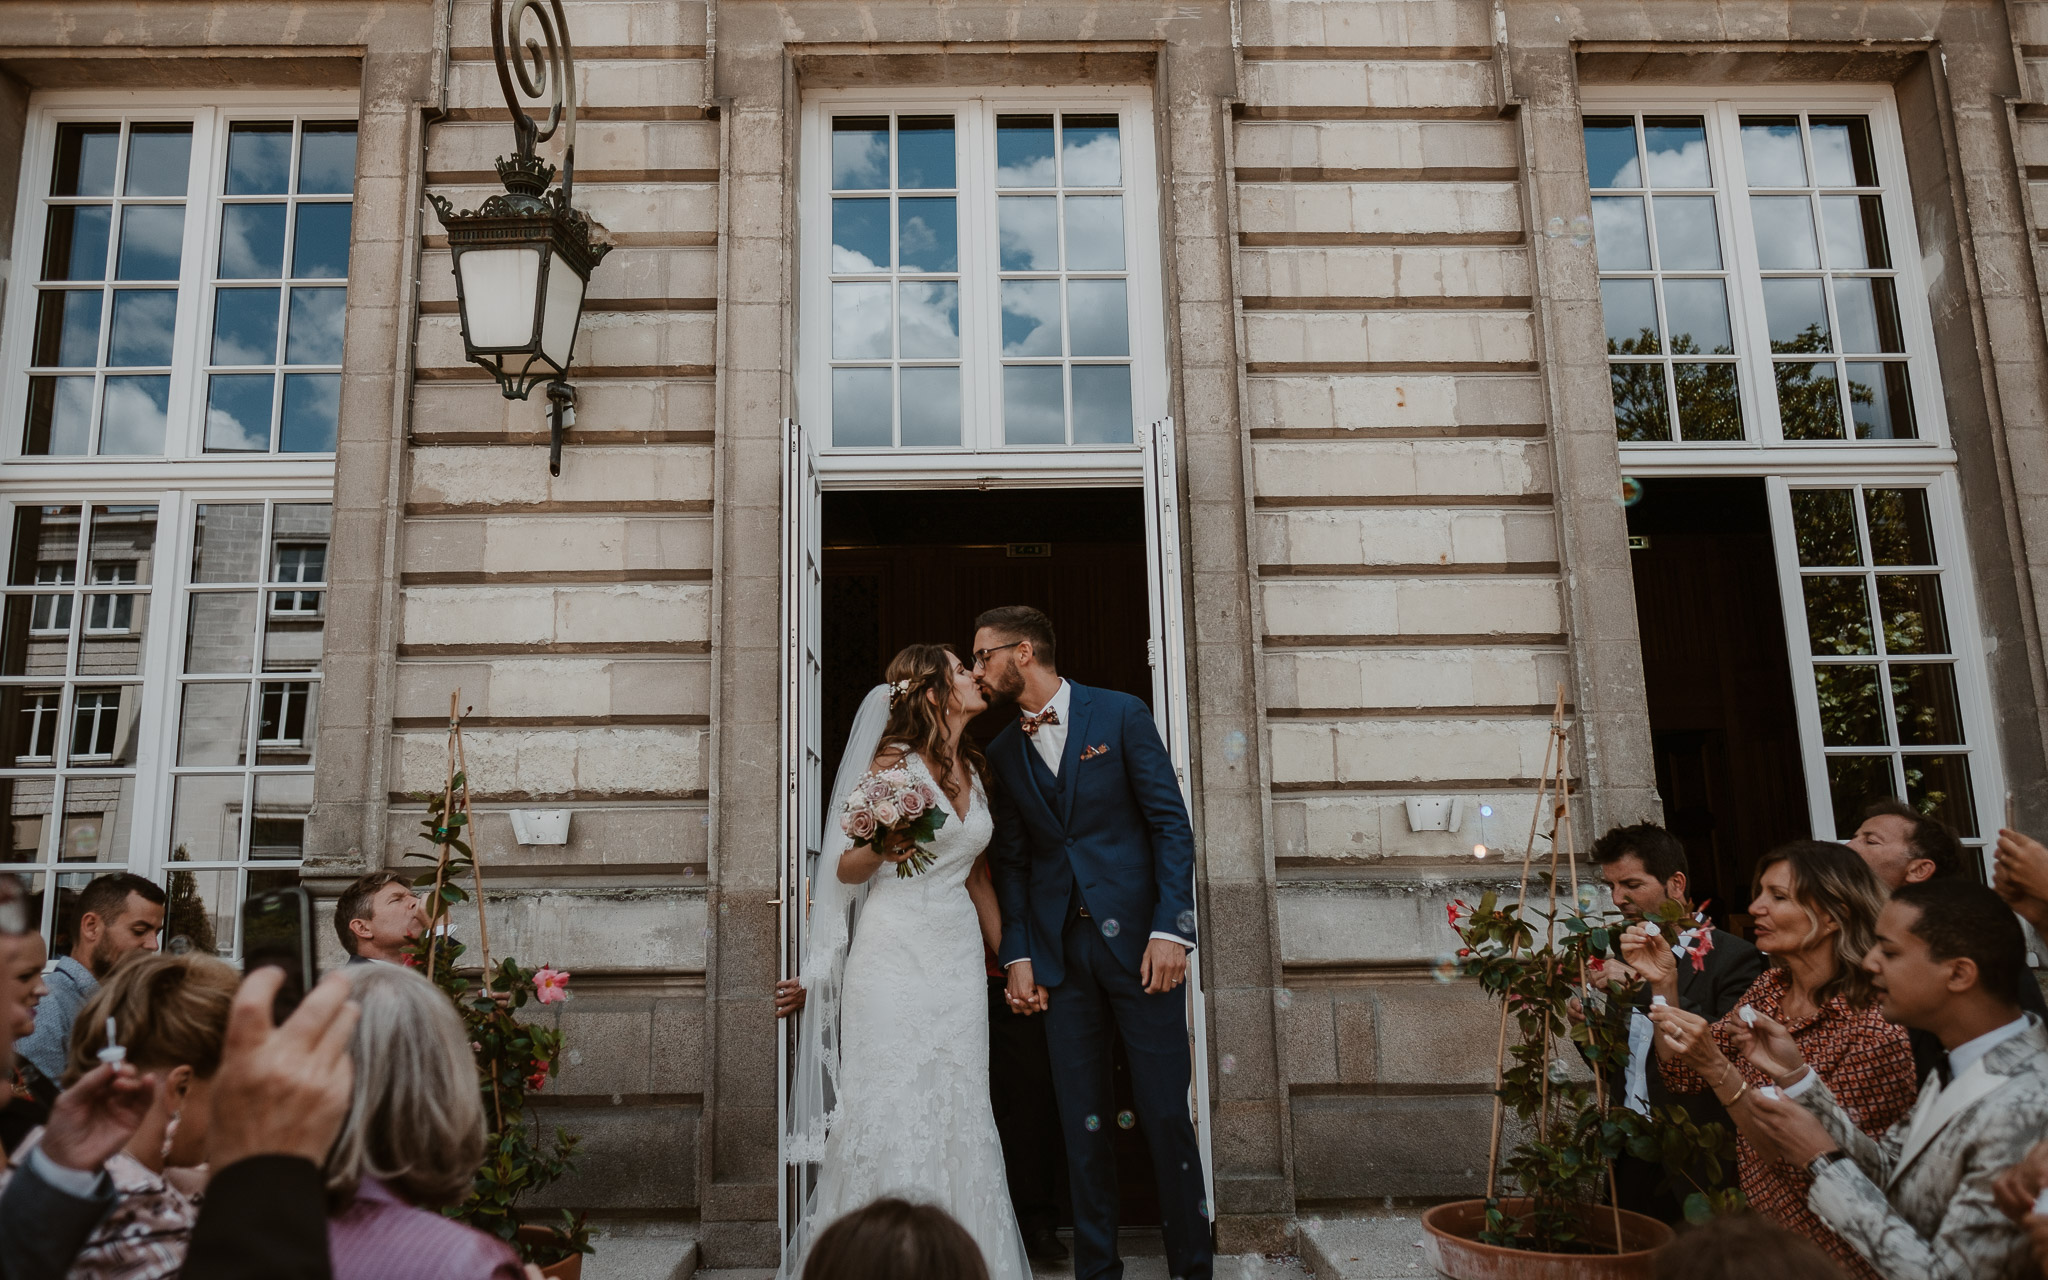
x,y
1043,1245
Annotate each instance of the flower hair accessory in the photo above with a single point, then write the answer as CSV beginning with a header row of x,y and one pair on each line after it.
x,y
898,692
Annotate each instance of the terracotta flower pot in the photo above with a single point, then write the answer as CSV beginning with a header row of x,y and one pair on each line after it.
x,y
1453,1247
569,1268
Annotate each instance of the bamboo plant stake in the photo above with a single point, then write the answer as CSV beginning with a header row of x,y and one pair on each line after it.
x,y
438,909
476,860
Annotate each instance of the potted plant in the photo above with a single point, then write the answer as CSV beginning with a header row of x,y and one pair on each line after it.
x,y
1561,1219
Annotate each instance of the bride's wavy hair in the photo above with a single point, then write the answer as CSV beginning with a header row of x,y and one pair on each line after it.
x,y
917,723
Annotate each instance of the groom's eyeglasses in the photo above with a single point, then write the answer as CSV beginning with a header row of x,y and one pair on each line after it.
x,y
981,656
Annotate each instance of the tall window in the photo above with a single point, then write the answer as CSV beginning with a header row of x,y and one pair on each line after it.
x,y
986,277
171,380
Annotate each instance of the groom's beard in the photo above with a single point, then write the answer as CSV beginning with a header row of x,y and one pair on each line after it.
x,y
1003,685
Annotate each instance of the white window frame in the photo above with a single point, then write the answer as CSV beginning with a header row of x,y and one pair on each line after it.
x,y
981,457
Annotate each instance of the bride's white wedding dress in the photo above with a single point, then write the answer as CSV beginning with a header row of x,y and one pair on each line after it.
x,y
912,1115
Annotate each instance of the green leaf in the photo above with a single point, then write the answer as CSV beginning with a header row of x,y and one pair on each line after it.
x,y
1698,1209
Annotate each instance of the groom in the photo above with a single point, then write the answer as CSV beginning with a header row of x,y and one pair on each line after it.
x,y
1093,861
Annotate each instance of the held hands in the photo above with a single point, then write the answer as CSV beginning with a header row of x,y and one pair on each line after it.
x,y
95,1117
789,997
2014,1190
1790,1128
2021,875
1687,1038
1025,995
1649,955
1772,1048
283,1090
1164,967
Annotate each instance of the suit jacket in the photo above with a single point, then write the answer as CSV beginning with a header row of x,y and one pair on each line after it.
x,y
1917,1204
1117,835
42,1228
264,1218
1927,1050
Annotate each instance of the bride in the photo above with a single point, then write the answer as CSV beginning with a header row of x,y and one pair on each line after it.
x,y
890,1095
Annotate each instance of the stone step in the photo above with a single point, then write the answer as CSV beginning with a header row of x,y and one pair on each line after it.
x,y
1377,1245
630,1250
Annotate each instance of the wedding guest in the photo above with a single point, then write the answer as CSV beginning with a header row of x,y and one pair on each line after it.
x,y
1815,916
1645,868
1918,1203
412,1142
21,990
1743,1246
891,1239
2020,874
377,917
117,914
1902,845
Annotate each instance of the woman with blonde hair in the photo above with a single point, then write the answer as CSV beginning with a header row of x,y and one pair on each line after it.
x,y
1815,916
412,1141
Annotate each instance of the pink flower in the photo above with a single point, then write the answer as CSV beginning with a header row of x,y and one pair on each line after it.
x,y
914,803
1454,910
1702,943
886,812
538,1080
878,787
551,985
863,824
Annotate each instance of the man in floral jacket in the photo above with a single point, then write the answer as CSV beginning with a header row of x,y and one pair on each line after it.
x,y
1918,1204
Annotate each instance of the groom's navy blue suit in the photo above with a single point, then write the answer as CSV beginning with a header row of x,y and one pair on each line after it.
x,y
1088,863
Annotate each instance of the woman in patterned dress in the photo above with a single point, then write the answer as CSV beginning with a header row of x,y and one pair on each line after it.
x,y
1816,915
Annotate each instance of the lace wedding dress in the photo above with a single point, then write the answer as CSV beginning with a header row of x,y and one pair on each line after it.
x,y
912,1115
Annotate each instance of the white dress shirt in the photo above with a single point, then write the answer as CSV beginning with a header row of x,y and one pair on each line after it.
x,y
1960,1059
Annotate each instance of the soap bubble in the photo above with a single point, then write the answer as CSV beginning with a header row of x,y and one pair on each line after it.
x,y
1111,928
1478,850
1582,231
1284,998
1486,811
1202,1207
1235,745
1446,969
1126,1120
1558,1073
1631,491
1186,921
1229,1064
1092,1123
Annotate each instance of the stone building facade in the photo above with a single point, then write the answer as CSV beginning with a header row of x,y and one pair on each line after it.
x,y
1687,361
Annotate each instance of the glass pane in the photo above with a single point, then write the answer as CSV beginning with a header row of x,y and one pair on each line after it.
x,y
238,412
26,649
1029,232
931,407
860,321
252,241
1784,233
1841,151
928,314
1097,319
1630,309
1824,525
86,158
200,915
1095,233
320,242
1900,529
1854,784
228,538
1914,621
312,411
862,413
287,722
1698,310
67,328
221,635
1771,152
259,157
1024,151
278,829
152,242
1677,147
1709,402
1809,403
75,247
213,725
114,628
59,416
1924,700
45,545
1640,410
298,541
1837,614
927,234
860,153
28,804
1688,234
1855,231
327,157
30,719
132,419
1619,236
159,159
143,322
314,336
860,235
1851,714
1091,154
1611,152
1939,786
98,820
1797,315
924,152
1031,317
1034,405
102,728
1102,404
292,631
1868,312
245,328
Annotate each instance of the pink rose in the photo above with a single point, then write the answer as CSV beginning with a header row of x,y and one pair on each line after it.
x,y
863,824
878,788
914,803
550,985
846,822
886,812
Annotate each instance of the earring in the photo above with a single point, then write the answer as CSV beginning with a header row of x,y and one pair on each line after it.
x,y
170,1134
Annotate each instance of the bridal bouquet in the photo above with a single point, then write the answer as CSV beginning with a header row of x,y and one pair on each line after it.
x,y
888,801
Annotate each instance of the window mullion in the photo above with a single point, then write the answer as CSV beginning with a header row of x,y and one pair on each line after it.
x,y
190,344
1747,283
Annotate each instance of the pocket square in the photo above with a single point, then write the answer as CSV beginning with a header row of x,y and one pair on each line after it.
x,y
1089,753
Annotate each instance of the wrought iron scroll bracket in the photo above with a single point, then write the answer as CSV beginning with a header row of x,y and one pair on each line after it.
x,y
542,70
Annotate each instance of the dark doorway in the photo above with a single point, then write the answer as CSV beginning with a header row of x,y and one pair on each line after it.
x,y
902,567
1729,767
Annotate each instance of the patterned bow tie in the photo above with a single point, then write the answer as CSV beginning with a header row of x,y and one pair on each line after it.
x,y
1032,724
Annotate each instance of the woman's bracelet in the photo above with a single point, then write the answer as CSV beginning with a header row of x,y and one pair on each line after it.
x,y
1730,1102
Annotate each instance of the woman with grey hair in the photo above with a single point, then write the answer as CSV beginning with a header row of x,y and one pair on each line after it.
x,y
412,1141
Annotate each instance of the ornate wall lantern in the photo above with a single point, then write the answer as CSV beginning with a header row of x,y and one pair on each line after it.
x,y
523,260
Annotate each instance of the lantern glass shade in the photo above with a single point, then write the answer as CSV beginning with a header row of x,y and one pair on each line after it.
x,y
563,306
500,288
